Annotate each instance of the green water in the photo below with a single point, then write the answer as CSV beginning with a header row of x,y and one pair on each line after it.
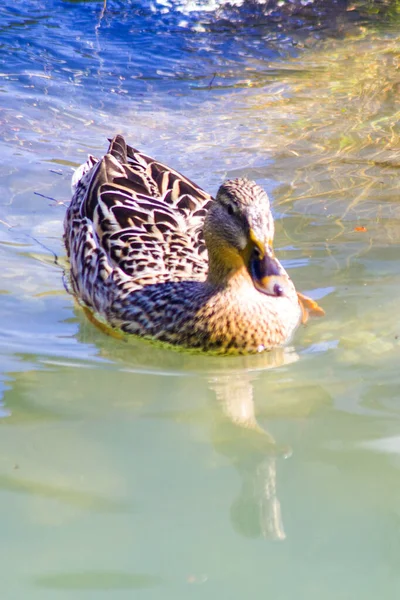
x,y
132,471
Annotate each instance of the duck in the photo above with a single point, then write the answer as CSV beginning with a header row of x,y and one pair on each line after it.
x,y
154,255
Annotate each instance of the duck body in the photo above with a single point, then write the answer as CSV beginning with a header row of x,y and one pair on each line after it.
x,y
154,255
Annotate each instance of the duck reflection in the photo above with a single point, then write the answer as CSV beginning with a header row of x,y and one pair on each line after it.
x,y
256,512
235,432
137,370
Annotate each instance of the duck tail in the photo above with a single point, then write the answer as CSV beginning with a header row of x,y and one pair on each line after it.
x,y
81,171
118,149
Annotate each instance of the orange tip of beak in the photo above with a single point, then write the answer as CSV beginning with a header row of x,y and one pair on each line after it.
x,y
309,307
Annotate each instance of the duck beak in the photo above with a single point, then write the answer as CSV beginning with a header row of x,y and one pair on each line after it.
x,y
265,270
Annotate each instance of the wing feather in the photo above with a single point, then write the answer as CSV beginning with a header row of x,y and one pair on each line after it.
x,y
148,218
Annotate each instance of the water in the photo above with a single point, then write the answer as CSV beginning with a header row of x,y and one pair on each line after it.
x,y
129,470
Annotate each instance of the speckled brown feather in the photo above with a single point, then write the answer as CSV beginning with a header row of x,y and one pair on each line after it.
x,y
135,240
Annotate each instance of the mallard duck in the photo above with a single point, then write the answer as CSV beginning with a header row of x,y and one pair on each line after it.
x,y
154,255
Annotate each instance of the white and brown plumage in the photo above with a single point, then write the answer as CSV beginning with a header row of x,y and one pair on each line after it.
x,y
156,256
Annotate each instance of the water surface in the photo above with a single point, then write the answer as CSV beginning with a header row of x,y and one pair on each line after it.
x,y
130,468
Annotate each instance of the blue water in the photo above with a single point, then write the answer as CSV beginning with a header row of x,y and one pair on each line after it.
x,y
131,48
130,470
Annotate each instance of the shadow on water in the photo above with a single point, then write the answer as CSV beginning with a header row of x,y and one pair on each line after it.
x,y
98,580
74,498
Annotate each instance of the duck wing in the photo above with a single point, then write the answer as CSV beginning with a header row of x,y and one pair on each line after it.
x,y
148,218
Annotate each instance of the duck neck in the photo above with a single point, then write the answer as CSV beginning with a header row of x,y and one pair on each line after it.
x,y
225,263
227,274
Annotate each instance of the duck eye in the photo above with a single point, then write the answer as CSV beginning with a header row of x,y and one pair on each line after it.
x,y
256,253
230,210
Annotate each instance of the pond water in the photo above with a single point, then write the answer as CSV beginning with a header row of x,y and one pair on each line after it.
x,y
127,470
